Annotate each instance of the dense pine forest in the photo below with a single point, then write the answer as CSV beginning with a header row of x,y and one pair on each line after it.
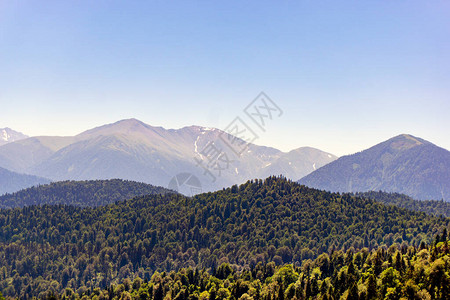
x,y
432,207
385,273
58,248
80,193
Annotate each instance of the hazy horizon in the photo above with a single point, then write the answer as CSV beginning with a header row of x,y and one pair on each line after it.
x,y
346,75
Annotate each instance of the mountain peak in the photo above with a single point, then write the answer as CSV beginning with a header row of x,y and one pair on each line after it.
x,y
403,164
131,149
126,126
405,142
131,121
7,135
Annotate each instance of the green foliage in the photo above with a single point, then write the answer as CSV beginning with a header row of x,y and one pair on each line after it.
x,y
80,193
432,207
254,227
422,277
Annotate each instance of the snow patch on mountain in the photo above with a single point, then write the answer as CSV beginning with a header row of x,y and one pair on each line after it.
x,y
8,135
5,135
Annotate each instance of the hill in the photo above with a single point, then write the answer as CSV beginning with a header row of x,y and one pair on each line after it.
x,y
132,150
260,221
432,207
403,164
12,181
80,193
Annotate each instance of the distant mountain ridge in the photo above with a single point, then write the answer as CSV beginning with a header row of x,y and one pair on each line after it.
x,y
404,164
132,150
12,181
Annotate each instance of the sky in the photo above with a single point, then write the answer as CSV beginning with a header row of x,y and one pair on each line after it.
x,y
346,74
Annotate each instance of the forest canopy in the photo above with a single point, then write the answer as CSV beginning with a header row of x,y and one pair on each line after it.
x,y
58,247
80,193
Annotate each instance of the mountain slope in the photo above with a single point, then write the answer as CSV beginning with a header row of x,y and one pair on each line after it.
x,y
20,156
7,135
298,163
403,164
432,207
132,150
260,221
80,193
12,181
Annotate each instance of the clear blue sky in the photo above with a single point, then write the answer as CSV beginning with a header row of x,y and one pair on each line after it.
x,y
347,74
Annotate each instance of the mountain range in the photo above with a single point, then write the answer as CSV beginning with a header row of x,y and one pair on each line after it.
x,y
132,150
7,135
404,164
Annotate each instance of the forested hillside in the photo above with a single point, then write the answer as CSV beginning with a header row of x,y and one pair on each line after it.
x,y
54,247
393,273
80,193
12,181
432,207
